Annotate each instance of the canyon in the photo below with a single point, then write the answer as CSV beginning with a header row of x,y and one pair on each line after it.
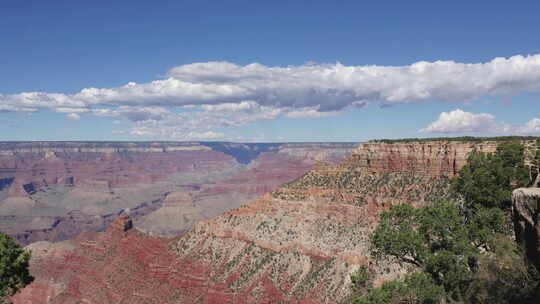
x,y
298,243
55,190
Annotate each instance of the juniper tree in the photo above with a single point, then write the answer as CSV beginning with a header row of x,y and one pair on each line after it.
x,y
14,262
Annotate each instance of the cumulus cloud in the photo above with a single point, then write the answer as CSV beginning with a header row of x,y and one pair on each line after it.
x,y
328,86
459,121
190,125
243,94
531,127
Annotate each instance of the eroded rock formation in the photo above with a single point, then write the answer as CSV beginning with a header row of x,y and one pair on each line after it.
x,y
526,214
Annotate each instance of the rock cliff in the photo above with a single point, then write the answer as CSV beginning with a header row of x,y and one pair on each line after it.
x,y
433,158
526,214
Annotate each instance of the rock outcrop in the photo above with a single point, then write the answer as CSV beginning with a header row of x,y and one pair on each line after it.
x,y
433,158
526,214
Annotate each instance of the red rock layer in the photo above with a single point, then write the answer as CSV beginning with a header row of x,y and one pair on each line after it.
x,y
123,265
101,171
435,158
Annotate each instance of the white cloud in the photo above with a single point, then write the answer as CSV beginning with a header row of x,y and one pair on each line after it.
x,y
174,133
71,110
132,113
223,94
459,121
73,116
126,112
309,112
201,121
12,108
531,127
328,86
241,106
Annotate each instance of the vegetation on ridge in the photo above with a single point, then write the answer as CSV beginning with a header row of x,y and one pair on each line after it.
x,y
459,251
14,274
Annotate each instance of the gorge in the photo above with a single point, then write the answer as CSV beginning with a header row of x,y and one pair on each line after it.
x,y
55,190
297,244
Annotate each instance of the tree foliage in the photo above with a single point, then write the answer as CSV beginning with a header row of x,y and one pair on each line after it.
x,y
472,262
434,239
489,178
535,164
503,276
415,288
14,273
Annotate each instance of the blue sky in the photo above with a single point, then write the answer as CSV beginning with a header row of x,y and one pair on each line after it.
x,y
324,69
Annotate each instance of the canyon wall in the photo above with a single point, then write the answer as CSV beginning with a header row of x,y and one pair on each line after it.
x,y
296,244
433,158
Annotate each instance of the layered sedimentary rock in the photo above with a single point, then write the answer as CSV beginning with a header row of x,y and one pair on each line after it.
x,y
98,166
54,190
433,158
526,214
55,193
297,244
